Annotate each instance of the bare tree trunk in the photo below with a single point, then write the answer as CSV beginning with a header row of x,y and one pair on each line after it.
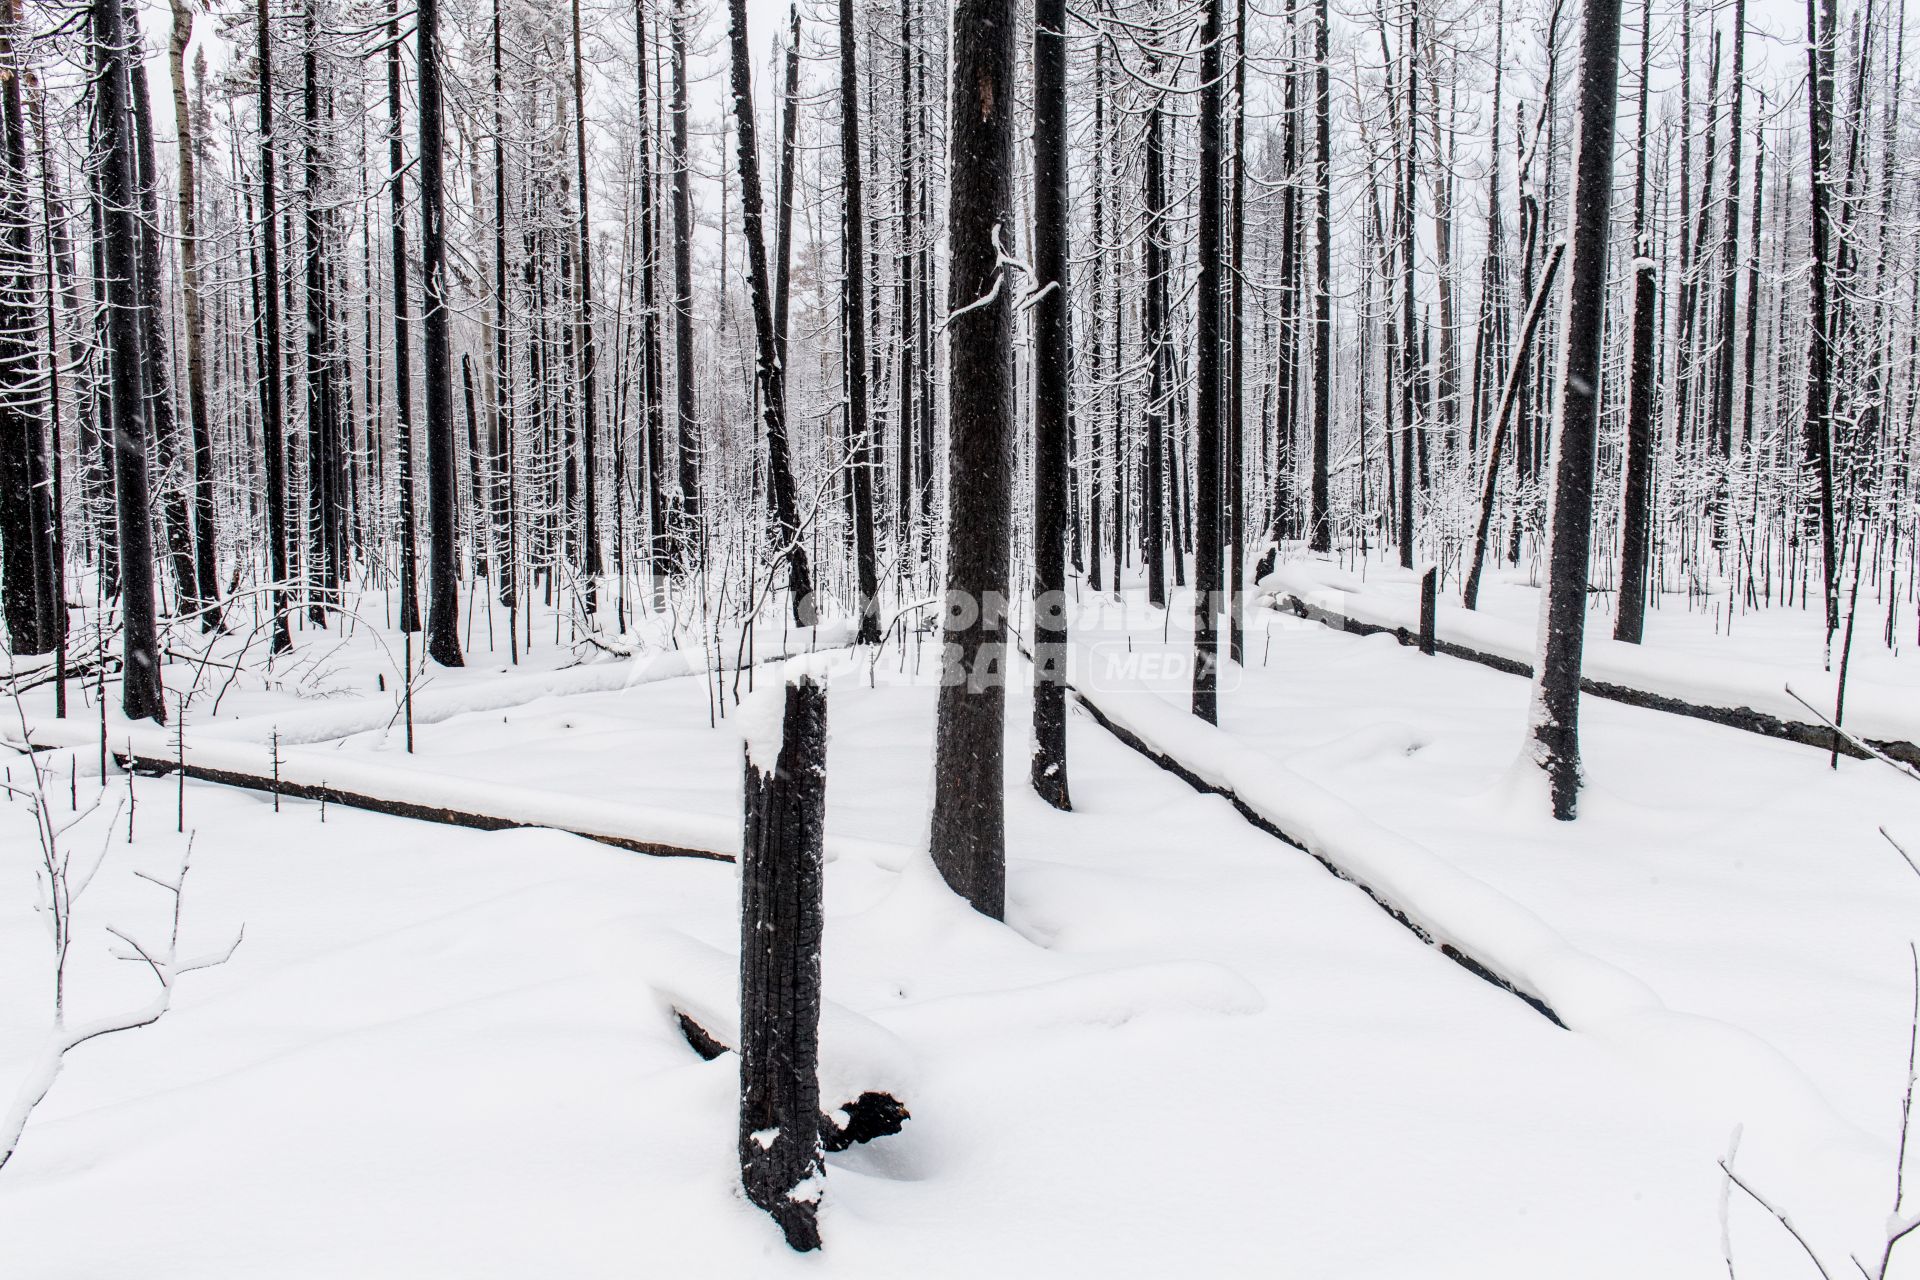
x,y
1208,370
968,829
1321,519
661,546
272,408
142,697
35,616
402,352
443,498
1053,363
771,374
1556,706
192,289
1819,415
1153,508
589,374
1636,506
683,390
865,459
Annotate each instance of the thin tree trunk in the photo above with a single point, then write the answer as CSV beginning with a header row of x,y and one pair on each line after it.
x,y
443,498
1053,363
1208,370
192,290
865,456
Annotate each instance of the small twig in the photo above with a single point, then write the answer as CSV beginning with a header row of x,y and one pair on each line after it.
x,y
1779,1217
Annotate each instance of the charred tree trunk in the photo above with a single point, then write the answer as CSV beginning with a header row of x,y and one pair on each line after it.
x,y
272,407
443,496
507,583
1556,705
662,555
1208,431
1636,506
1321,527
1153,505
864,460
968,829
142,697
1821,37
590,560
192,291
1053,357
35,615
684,406
174,481
782,872
402,345
770,373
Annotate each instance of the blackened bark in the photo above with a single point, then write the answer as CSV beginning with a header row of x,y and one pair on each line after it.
x,y
1321,513
1636,514
174,482
325,503
783,187
142,697
684,408
1153,508
590,562
507,582
1208,428
1556,710
865,461
402,343
443,498
1819,415
770,372
968,828
660,541
35,618
206,571
782,1165
1052,370
272,408
1722,403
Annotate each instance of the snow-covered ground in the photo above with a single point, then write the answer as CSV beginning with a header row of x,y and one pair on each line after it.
x,y
1189,1050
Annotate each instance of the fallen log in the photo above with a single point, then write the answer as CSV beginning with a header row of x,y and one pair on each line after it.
x,y
1746,719
1470,963
328,794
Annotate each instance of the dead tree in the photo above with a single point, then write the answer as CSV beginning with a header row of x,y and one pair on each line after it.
x,y
443,496
969,820
769,374
1556,703
35,617
864,454
1052,369
192,289
782,871
141,695
1208,372
272,394
1636,504
402,357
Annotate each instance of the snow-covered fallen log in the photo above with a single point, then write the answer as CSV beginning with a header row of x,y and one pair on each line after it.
x,y
1739,695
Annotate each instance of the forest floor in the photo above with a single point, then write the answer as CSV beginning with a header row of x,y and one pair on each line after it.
x,y
1189,1050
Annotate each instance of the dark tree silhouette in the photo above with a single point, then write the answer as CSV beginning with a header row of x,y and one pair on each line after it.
x,y
969,819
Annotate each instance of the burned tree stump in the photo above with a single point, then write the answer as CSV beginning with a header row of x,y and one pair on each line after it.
x,y
782,1165
1429,609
